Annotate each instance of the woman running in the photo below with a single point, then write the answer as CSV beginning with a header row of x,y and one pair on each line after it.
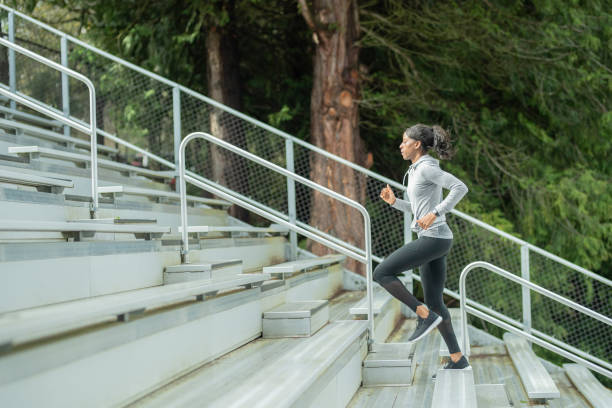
x,y
435,238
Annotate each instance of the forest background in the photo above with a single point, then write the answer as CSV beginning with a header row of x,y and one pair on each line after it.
x,y
524,87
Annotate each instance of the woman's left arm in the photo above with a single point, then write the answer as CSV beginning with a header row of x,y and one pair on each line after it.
x,y
442,178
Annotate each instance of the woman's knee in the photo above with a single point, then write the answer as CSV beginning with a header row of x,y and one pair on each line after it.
x,y
379,274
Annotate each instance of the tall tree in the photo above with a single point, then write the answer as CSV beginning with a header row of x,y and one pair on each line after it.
x,y
194,42
334,120
224,85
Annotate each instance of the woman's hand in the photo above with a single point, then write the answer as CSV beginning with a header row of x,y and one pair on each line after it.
x,y
427,220
387,195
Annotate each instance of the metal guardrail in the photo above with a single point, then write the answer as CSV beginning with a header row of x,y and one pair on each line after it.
x,y
187,109
602,367
252,205
12,94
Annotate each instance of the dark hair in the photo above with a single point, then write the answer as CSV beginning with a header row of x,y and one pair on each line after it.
x,y
432,137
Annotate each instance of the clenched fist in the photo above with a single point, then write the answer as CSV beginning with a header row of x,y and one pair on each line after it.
x,y
387,195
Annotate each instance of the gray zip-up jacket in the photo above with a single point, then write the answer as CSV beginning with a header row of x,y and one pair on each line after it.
x,y
424,190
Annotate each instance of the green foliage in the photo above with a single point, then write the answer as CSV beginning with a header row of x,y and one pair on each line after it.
x,y
524,89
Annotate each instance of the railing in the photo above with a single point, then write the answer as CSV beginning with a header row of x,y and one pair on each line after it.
x,y
255,207
14,96
548,342
151,114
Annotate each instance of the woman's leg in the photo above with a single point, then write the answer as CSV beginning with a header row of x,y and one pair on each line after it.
x,y
433,276
411,255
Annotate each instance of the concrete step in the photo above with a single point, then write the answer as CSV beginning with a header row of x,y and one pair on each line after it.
x,y
295,319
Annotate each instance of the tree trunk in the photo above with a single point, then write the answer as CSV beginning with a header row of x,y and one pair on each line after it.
x,y
335,122
228,169
4,66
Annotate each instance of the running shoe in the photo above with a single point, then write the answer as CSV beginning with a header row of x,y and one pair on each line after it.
x,y
459,365
430,322
420,321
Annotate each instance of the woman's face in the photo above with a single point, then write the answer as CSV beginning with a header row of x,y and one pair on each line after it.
x,y
409,147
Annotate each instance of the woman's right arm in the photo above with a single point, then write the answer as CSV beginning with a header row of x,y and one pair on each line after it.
x,y
389,197
402,205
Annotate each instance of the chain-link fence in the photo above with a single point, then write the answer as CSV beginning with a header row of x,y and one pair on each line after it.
x,y
155,114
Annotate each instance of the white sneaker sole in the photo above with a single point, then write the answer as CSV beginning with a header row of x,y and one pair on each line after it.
x,y
430,328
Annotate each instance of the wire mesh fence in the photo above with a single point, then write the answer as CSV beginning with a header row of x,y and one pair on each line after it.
x,y
143,110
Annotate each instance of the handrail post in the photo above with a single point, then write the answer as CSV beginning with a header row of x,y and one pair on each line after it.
x,y
526,292
182,187
176,120
291,198
369,278
65,82
11,57
464,326
366,216
94,151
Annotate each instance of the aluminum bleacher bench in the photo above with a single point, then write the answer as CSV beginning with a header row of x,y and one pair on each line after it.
x,y
115,191
303,265
538,383
36,323
589,386
52,136
33,152
44,184
205,230
28,117
78,230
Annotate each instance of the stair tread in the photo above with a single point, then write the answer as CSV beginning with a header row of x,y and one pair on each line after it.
x,y
29,324
262,373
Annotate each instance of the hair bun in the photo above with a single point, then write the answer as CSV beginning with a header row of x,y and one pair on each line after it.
x,y
436,137
442,142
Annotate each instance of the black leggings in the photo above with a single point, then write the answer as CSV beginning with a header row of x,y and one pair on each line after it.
x,y
430,254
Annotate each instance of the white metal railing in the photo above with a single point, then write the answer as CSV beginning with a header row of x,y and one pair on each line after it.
x,y
289,139
252,205
14,96
602,367
290,143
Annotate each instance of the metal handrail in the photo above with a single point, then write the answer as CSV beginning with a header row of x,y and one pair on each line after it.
x,y
303,143
525,283
289,140
367,259
92,111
